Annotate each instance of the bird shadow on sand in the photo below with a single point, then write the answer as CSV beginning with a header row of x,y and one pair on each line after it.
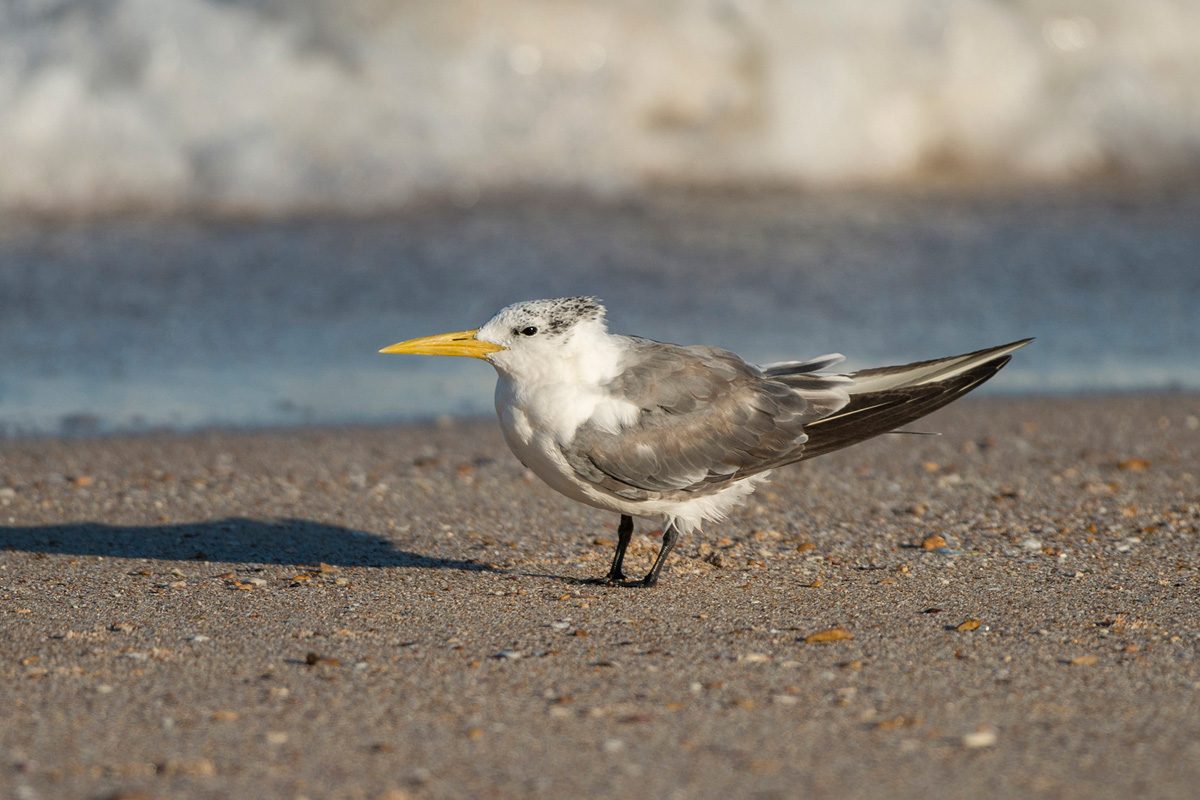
x,y
236,539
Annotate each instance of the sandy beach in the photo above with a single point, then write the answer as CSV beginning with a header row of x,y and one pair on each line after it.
x,y
236,563
401,612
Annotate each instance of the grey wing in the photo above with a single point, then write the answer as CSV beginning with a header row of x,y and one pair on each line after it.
x,y
706,418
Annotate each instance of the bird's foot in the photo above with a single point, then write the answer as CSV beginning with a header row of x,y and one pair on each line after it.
x,y
636,583
611,579
619,579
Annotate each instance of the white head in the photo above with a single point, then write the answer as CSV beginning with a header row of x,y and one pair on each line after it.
x,y
524,337
541,330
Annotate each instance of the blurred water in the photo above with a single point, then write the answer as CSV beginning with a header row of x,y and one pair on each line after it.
x,y
135,325
279,106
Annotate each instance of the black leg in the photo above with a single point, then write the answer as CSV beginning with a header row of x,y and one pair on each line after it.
x,y
670,537
624,534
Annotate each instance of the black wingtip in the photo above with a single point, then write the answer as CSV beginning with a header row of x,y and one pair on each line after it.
x,y
871,414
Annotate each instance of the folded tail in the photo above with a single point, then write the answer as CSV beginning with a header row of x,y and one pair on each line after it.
x,y
884,398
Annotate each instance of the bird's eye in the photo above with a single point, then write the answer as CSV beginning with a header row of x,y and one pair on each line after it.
x,y
530,331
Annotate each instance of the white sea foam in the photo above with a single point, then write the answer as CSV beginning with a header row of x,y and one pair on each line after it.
x,y
284,105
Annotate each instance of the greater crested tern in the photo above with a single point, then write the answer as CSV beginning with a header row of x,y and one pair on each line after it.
x,y
646,428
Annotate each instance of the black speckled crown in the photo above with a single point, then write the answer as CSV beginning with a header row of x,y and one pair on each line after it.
x,y
552,316
566,311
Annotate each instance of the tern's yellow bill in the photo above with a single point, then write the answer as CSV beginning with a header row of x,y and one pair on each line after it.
x,y
460,343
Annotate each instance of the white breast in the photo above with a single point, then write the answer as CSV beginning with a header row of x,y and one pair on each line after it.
x,y
536,429
540,450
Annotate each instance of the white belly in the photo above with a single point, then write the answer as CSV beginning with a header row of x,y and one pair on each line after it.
x,y
540,452
537,443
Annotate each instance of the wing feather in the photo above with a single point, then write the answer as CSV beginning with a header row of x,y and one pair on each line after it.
x,y
706,418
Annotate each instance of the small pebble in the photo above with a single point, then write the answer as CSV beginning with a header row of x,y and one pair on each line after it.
x,y
199,767
315,659
980,738
394,794
895,723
